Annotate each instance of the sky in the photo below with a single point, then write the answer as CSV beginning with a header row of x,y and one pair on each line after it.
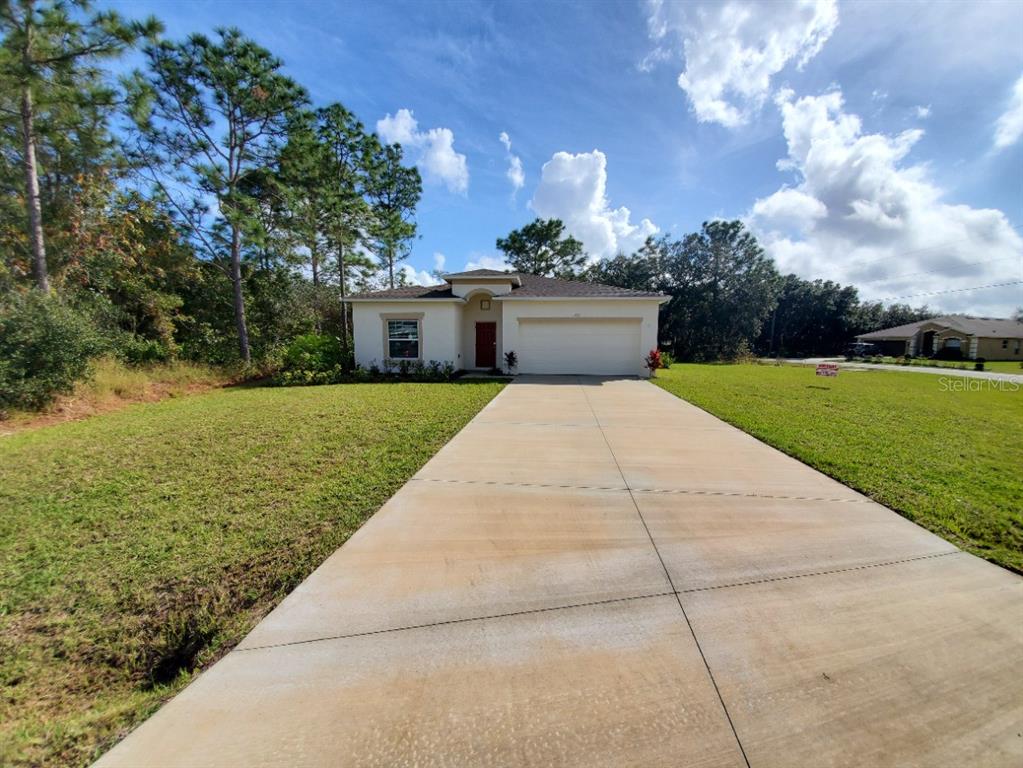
x,y
872,143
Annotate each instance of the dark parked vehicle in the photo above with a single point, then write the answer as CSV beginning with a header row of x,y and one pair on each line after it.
x,y
861,349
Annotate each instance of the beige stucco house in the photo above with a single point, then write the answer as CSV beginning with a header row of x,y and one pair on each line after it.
x,y
971,337
475,317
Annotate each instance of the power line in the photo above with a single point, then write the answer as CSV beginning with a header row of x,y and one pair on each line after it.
x,y
953,290
936,271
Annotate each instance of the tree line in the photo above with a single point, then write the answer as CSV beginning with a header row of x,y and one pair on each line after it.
x,y
199,207
727,298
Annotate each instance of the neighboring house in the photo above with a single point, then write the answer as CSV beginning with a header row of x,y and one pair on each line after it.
x,y
553,326
952,335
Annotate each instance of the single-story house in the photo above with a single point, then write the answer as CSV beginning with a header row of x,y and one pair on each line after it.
x,y
475,317
970,337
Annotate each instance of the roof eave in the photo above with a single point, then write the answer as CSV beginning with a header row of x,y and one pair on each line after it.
x,y
393,299
513,298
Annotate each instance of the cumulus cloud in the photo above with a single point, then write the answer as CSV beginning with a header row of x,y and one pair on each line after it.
x,y
438,261
515,174
1009,126
573,188
732,50
923,112
862,214
436,157
415,276
484,261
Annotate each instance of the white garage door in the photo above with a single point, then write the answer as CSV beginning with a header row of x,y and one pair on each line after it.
x,y
586,346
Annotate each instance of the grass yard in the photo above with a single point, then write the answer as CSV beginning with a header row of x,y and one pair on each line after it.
x,y
948,458
996,366
138,546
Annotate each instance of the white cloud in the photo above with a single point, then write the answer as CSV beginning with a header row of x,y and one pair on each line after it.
x,y
791,207
732,50
437,158
923,112
438,261
415,276
573,188
515,174
483,261
862,214
1009,126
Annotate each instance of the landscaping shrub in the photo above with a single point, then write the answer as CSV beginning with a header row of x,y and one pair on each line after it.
x,y
312,352
511,360
667,360
45,347
391,370
653,361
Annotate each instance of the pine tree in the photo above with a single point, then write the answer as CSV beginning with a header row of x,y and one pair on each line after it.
x,y
211,113
48,62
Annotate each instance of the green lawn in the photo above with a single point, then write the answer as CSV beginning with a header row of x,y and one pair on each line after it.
x,y
998,366
137,546
950,459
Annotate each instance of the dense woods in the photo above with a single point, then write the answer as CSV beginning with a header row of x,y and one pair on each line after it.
x,y
202,208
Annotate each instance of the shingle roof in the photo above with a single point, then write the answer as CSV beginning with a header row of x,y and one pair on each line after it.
x,y
409,292
550,287
533,286
984,327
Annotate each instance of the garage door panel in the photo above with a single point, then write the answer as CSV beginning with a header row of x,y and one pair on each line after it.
x,y
580,345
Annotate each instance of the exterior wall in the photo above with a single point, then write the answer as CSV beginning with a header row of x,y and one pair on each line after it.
x,y
440,329
991,349
495,287
644,310
471,314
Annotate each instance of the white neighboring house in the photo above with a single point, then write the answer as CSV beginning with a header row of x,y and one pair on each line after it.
x,y
474,318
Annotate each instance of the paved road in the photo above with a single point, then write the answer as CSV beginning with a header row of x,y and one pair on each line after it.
x,y
1011,378
595,573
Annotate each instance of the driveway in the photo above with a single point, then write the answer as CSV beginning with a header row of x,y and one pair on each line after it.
x,y
595,573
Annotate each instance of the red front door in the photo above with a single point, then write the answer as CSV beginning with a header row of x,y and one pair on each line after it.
x,y
486,345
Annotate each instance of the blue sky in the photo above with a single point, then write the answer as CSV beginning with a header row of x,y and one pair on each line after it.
x,y
874,143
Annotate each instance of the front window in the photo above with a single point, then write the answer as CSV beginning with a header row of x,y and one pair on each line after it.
x,y
403,339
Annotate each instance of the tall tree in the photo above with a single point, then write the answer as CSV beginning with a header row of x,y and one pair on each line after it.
x,y
212,112
393,192
723,288
349,157
640,271
540,248
48,59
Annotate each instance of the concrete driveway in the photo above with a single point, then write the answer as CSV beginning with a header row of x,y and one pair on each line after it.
x,y
595,573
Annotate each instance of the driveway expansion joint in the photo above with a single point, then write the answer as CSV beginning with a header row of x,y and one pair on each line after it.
x,y
847,569
465,620
625,487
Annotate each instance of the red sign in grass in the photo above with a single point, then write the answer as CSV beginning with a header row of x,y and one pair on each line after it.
x,y
827,369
